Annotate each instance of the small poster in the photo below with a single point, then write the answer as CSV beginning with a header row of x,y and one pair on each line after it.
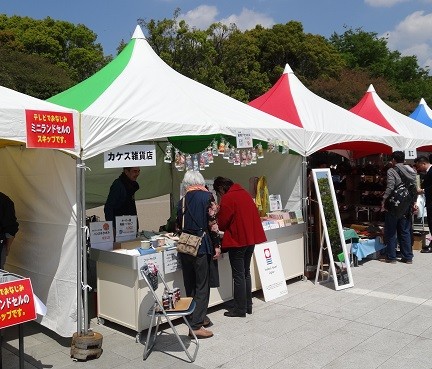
x,y
150,259
130,156
270,270
126,228
244,139
299,216
101,235
171,261
275,202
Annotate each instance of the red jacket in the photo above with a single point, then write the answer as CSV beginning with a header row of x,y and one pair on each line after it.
x,y
238,217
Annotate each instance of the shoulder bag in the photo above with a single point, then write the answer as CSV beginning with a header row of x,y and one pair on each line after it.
x,y
188,243
400,199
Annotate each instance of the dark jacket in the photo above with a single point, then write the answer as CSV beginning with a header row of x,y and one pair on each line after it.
x,y
196,217
8,220
238,217
121,198
427,186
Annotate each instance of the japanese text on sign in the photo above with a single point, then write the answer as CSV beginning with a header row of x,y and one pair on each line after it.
x,y
49,130
16,303
244,138
130,156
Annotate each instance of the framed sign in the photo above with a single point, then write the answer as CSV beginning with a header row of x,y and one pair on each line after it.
x,y
333,239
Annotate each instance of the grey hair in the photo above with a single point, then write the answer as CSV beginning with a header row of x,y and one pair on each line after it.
x,y
193,178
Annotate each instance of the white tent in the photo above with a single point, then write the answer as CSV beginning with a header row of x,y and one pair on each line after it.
x,y
41,182
138,97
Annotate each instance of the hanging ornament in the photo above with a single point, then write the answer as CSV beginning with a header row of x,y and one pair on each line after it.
x,y
243,157
209,156
180,161
259,151
227,151
195,161
214,148
285,147
168,154
254,155
189,163
202,160
236,157
222,146
271,147
249,157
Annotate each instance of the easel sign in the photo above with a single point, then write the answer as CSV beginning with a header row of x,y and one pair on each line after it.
x,y
332,239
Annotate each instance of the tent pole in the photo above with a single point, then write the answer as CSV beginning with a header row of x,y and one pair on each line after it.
x,y
305,200
79,244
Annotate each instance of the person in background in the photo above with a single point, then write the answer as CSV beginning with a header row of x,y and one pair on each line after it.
x,y
238,218
398,228
8,226
193,217
423,165
121,197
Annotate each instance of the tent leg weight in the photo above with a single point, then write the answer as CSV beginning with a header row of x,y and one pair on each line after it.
x,y
85,347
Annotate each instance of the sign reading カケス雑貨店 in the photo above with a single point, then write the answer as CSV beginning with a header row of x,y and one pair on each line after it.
x,y
130,156
17,303
270,270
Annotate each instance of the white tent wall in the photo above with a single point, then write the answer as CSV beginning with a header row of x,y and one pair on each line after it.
x,y
42,185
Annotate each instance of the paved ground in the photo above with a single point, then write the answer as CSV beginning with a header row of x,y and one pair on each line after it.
x,y
384,321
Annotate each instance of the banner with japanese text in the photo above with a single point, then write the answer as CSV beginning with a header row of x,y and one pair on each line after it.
x,y
50,130
17,303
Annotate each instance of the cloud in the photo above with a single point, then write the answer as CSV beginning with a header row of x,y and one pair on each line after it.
x,y
202,16
413,36
384,3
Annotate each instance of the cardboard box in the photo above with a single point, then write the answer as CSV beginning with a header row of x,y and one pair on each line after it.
x,y
419,241
128,245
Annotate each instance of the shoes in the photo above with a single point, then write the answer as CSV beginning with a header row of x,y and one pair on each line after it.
x,y
406,261
426,250
201,333
207,322
232,314
390,261
249,310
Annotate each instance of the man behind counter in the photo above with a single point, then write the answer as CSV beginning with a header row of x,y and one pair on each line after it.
x,y
121,197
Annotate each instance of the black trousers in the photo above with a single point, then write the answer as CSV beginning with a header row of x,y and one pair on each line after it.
x,y
196,281
240,259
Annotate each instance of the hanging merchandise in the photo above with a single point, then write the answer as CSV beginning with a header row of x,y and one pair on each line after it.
x,y
262,196
209,155
189,163
214,148
195,161
285,147
202,160
222,146
259,151
236,157
227,151
231,155
243,158
168,154
254,156
249,157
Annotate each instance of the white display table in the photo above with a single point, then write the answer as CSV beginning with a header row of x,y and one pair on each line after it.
x,y
123,298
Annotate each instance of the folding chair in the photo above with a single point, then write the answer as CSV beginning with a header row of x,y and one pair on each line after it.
x,y
157,312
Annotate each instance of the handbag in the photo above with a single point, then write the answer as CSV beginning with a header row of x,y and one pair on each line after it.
x,y
188,243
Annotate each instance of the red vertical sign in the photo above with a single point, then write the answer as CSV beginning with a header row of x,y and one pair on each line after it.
x,y
49,130
16,302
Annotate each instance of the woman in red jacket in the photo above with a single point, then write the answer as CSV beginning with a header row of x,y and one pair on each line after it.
x,y
238,218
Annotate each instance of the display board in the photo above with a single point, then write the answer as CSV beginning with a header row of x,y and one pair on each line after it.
x,y
333,240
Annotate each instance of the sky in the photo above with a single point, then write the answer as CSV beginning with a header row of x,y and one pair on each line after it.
x,y
406,23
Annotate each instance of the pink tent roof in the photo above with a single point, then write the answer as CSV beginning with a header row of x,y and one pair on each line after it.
x,y
377,111
326,124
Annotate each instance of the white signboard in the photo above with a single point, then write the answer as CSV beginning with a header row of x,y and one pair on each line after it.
x,y
126,228
275,202
101,235
270,270
150,259
171,261
244,138
130,156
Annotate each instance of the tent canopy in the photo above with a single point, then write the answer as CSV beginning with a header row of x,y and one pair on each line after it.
x,y
13,106
138,97
373,108
423,113
323,122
